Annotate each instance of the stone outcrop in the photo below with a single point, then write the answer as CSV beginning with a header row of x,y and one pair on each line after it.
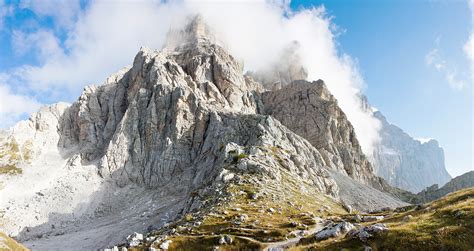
x,y
28,139
408,163
309,110
434,192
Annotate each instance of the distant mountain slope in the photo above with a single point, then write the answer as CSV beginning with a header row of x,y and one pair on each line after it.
x,y
434,192
406,162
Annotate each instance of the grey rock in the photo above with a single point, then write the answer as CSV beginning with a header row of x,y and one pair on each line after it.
x,y
369,218
407,218
334,230
135,239
368,231
347,207
406,162
357,218
225,240
165,245
434,192
309,110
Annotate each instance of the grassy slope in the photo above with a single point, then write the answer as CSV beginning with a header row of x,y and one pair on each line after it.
x,y
296,207
444,224
7,243
12,154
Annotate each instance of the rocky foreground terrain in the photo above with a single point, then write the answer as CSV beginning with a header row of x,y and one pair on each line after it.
x,y
184,151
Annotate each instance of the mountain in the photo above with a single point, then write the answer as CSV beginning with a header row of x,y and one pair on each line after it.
x,y
405,162
434,192
183,140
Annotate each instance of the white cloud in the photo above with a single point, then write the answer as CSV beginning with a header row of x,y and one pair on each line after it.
x,y
107,35
42,42
424,140
5,10
469,48
64,12
434,59
13,106
469,45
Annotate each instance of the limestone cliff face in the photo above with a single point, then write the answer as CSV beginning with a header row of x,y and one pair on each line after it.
x,y
180,117
407,163
309,110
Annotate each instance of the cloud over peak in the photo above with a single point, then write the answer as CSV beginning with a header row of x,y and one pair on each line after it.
x,y
105,36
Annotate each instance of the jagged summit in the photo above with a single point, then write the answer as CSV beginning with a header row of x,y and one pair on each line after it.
x,y
288,68
195,32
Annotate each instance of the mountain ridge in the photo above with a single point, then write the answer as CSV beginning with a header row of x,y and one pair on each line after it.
x,y
408,163
166,138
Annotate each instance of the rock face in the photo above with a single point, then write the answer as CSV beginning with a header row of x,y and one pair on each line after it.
x,y
407,163
309,110
288,69
434,192
179,122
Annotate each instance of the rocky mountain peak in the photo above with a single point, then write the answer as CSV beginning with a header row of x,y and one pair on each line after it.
x,y
193,34
172,134
288,68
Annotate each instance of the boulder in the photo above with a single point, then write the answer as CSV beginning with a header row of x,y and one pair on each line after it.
x,y
334,230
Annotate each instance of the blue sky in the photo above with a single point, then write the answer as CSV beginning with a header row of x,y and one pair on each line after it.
x,y
391,40
410,54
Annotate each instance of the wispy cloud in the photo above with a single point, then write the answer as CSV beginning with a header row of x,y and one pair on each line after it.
x,y
41,42
14,106
469,45
469,48
5,10
435,59
65,12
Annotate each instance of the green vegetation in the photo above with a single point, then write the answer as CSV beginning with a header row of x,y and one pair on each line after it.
x,y
11,155
7,243
27,151
445,224
10,169
10,150
193,243
253,214
238,157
